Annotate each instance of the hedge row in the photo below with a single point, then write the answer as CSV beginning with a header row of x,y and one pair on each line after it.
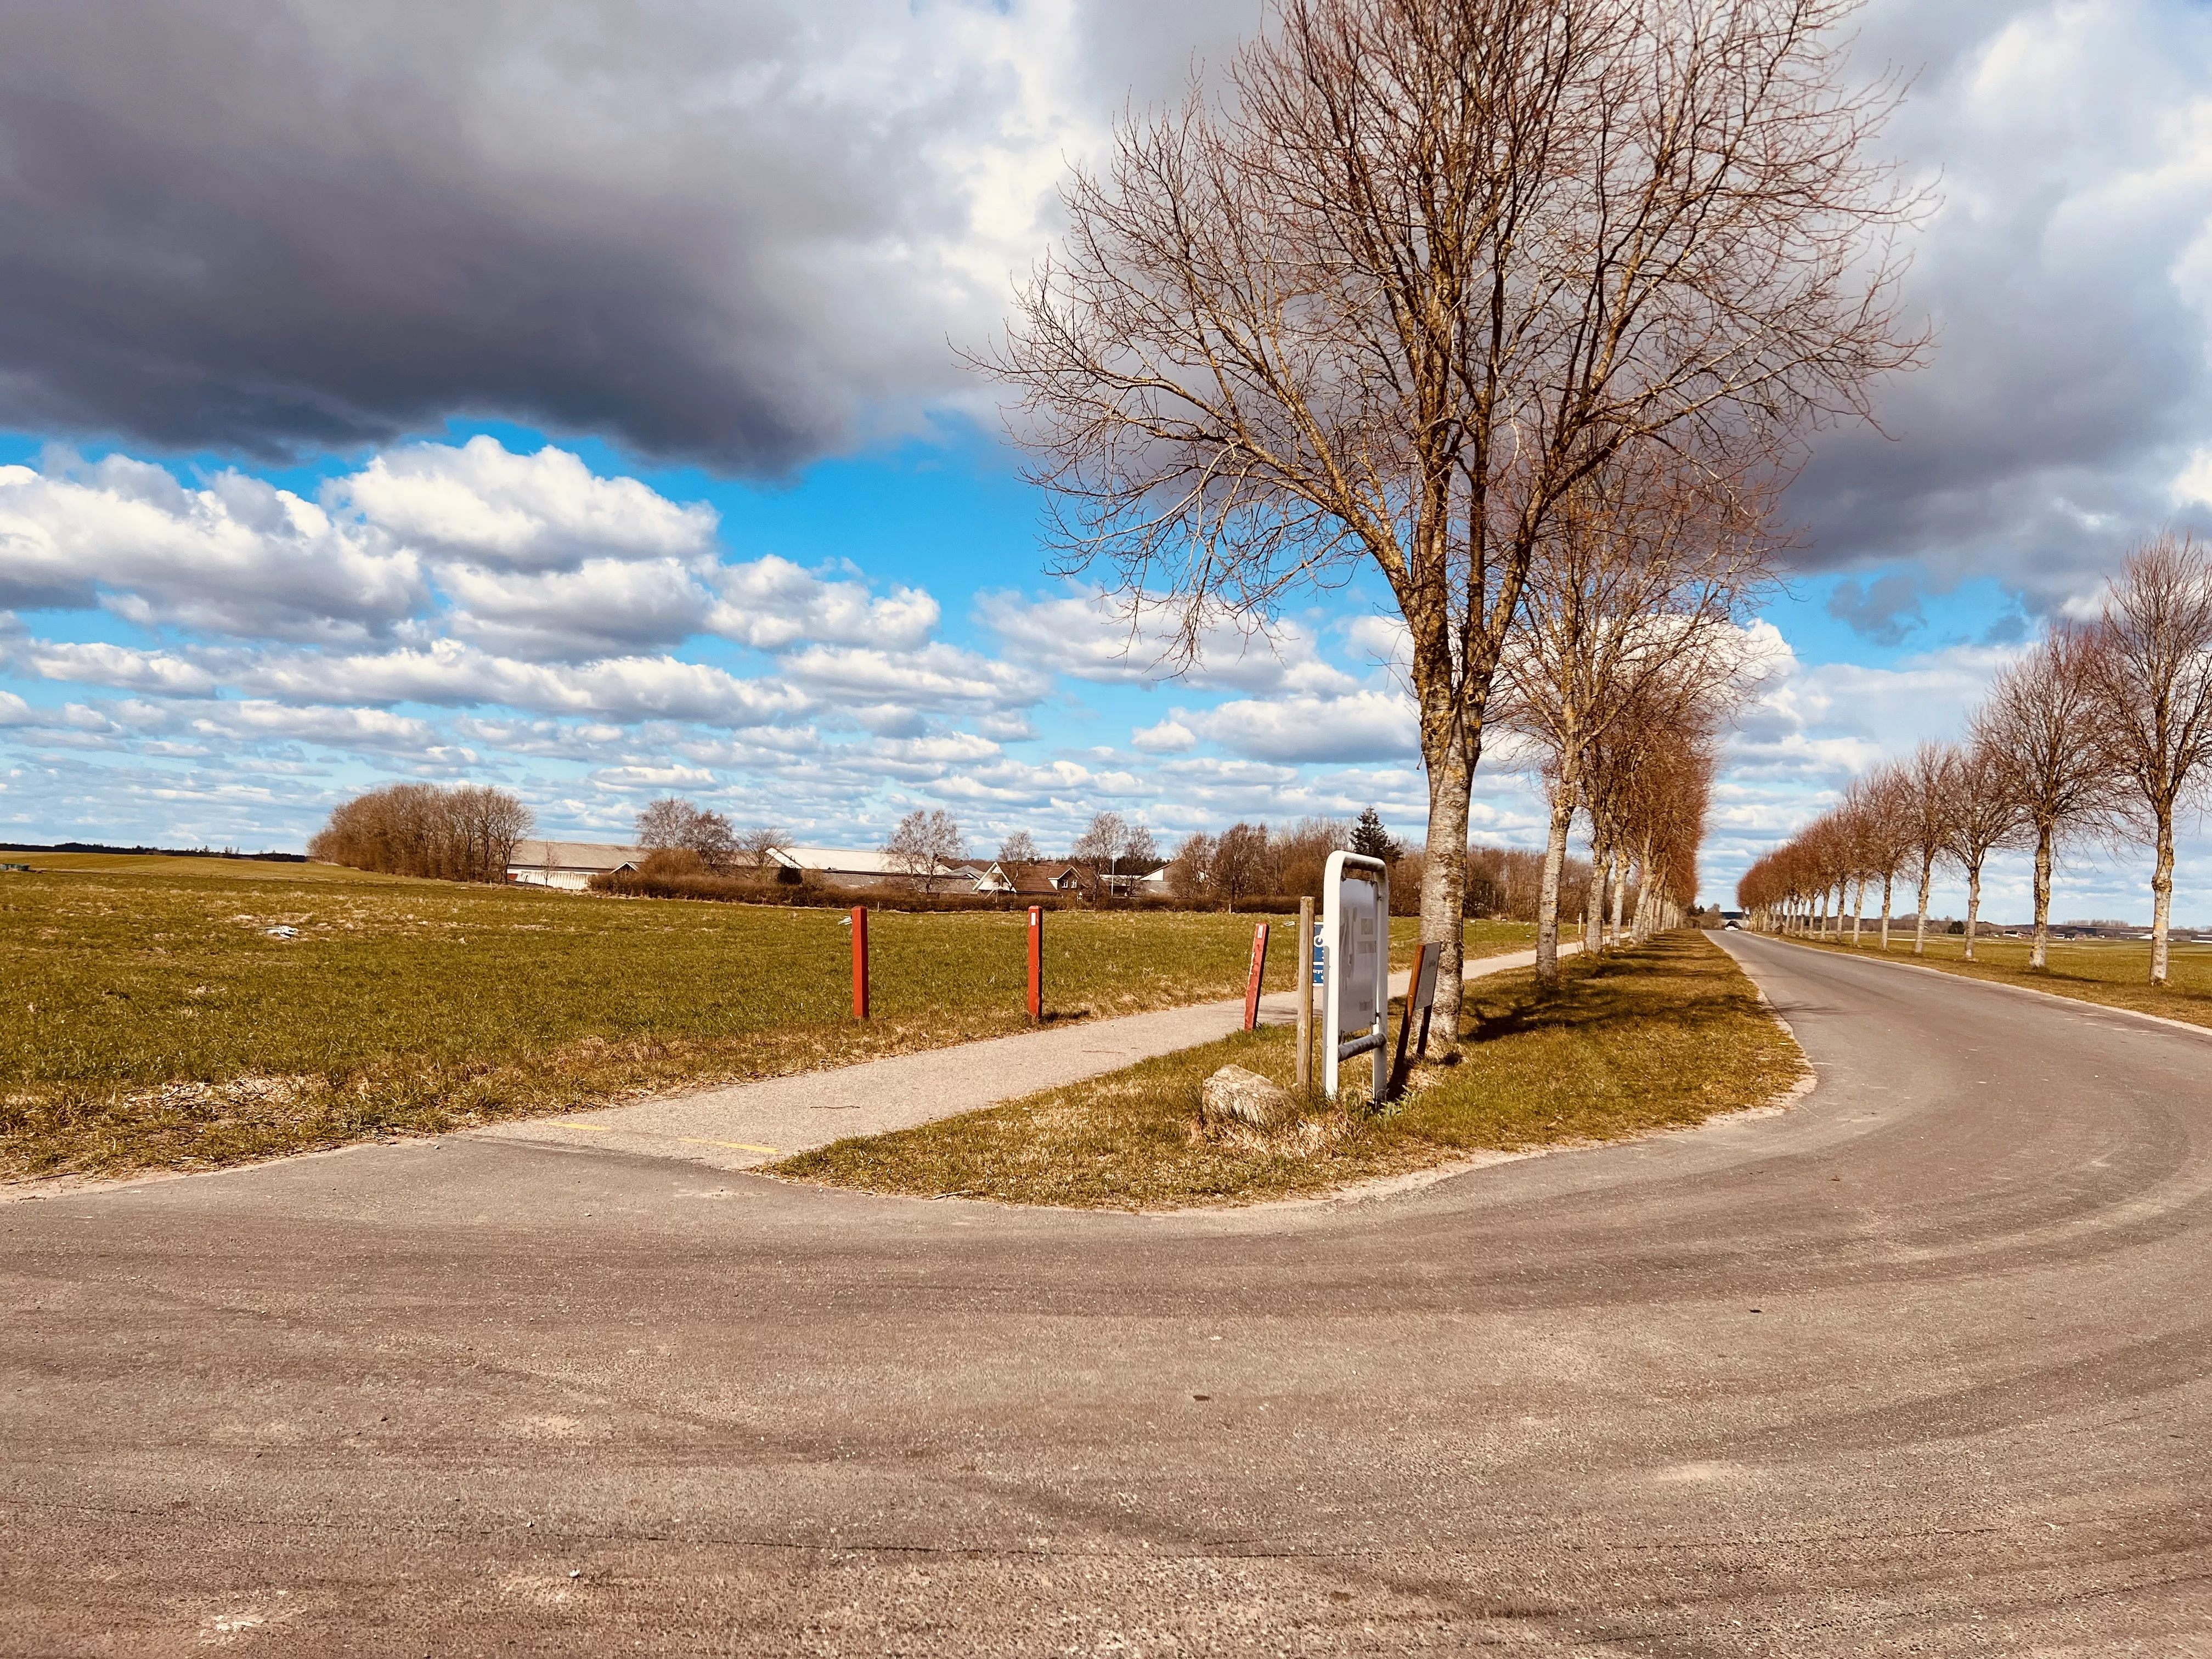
x,y
740,889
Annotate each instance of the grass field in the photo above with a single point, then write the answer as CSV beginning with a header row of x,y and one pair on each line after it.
x,y
1650,1038
2115,972
151,1022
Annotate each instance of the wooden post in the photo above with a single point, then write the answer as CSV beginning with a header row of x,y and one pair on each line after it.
x,y
1252,982
860,962
1037,962
1305,994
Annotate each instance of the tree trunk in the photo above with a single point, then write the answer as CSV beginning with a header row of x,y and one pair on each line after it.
x,y
1973,902
1547,896
1620,895
1888,882
1858,915
2038,954
1444,887
2161,897
1593,898
1920,923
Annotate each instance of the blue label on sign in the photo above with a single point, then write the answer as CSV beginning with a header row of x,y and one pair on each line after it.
x,y
1319,947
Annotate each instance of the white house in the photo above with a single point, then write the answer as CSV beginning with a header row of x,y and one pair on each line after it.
x,y
569,865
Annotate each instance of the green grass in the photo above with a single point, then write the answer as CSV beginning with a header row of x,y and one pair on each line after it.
x,y
146,1020
1655,1037
2114,972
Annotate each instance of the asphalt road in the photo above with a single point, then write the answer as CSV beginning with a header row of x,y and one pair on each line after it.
x,y
1921,1365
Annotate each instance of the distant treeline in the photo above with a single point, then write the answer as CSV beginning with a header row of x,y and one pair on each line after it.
x,y
742,890
463,834
1502,882
152,852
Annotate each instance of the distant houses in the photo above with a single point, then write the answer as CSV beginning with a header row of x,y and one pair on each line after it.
x,y
570,866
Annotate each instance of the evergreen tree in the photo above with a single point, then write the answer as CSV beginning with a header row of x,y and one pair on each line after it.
x,y
1370,840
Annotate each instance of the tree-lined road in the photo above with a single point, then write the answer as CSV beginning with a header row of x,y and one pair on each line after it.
x,y
1921,1366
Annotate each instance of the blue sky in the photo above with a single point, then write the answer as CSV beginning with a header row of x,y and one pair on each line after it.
x,y
646,465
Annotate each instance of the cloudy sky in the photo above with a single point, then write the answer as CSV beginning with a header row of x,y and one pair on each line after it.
x,y
565,393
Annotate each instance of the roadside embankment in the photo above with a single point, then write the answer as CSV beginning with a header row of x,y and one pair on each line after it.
x,y
1656,1037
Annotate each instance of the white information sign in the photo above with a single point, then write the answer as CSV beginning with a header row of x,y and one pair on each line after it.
x,y
1355,967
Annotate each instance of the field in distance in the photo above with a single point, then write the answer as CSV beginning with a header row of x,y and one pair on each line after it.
x,y
2113,972
151,1021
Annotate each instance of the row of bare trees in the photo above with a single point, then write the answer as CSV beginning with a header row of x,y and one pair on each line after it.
x,y
1632,658
466,833
1425,278
2101,734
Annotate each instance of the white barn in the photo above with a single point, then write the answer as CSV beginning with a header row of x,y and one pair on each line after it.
x,y
567,864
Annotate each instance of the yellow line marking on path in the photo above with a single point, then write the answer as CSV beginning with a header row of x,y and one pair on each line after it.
x,y
734,1145
596,1128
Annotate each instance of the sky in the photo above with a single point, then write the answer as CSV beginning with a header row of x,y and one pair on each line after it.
x,y
569,395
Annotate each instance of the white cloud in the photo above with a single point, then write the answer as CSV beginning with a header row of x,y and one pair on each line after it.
x,y
1097,637
478,503
771,605
1361,725
937,676
238,556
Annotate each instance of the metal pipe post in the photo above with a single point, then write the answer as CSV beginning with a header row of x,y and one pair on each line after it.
x,y
860,962
1305,994
1037,962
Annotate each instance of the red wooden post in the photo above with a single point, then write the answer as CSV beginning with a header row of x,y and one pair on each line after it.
x,y
1037,962
1252,985
860,962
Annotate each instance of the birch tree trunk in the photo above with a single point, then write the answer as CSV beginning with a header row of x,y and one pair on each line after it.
x,y
1888,882
1973,903
2038,953
2162,899
1920,923
1547,896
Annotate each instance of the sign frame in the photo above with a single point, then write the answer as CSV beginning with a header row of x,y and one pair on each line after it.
x,y
1336,963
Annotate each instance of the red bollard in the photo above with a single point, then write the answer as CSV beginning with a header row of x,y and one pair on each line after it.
x,y
860,962
1252,985
1037,962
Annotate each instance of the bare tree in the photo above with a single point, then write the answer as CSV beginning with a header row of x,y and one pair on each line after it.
x,y
1888,832
1985,814
1428,266
923,844
756,844
2042,725
1020,847
663,823
1648,565
466,833
1190,871
1240,862
1930,789
2152,674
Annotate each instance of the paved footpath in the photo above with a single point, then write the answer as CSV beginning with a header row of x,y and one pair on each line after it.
x,y
749,1124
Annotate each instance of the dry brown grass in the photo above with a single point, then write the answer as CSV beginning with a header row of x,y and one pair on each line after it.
x,y
1655,1037
2113,972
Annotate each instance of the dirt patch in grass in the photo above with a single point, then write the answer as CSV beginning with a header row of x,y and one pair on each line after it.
x,y
2113,972
148,1020
1656,1037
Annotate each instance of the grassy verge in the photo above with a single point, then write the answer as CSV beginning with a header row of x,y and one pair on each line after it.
x,y
148,1020
1650,1038
2113,972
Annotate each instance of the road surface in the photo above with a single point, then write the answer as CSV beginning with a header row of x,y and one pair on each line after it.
x,y
1921,1366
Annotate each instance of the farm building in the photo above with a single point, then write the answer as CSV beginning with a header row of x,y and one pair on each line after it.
x,y
569,865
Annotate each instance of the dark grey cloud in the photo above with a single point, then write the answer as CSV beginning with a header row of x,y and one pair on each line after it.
x,y
727,231
2065,274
